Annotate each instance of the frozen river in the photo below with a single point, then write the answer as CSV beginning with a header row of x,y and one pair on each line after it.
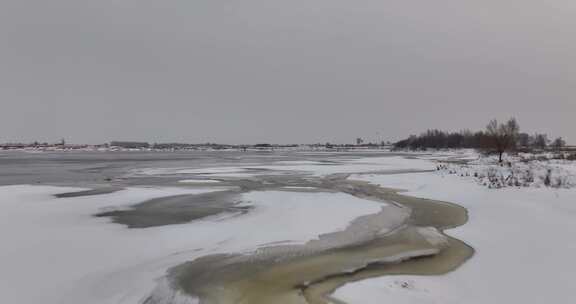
x,y
215,227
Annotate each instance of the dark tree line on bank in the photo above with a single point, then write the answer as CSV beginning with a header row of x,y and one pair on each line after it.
x,y
497,138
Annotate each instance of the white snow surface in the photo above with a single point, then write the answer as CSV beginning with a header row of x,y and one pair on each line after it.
x,y
55,251
372,164
524,241
199,181
526,170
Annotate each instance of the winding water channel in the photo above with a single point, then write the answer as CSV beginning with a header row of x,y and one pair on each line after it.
x,y
407,236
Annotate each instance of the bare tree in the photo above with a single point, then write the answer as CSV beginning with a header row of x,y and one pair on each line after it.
x,y
540,141
558,143
523,140
502,136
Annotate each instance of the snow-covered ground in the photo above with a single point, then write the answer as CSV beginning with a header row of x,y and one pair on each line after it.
x,y
516,171
524,241
371,164
199,181
55,251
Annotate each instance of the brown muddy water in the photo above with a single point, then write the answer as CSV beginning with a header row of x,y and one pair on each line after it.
x,y
407,237
297,274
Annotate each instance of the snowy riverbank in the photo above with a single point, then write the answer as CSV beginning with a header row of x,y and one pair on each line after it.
x,y
55,251
523,239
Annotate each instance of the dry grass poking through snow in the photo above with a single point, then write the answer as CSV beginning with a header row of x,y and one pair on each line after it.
x,y
518,171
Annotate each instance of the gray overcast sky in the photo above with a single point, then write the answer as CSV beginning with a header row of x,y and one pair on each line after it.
x,y
282,71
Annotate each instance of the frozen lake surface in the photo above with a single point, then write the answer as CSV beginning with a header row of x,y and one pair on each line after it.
x,y
284,227
157,210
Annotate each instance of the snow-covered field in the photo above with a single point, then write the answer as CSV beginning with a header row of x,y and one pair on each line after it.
x,y
54,251
517,171
524,241
372,164
199,181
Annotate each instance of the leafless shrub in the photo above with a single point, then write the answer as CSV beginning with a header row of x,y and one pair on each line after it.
x,y
548,178
529,177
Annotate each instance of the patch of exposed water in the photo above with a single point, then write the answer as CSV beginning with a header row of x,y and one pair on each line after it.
x,y
405,238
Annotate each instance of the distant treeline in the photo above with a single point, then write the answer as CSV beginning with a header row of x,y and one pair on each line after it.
x,y
437,139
